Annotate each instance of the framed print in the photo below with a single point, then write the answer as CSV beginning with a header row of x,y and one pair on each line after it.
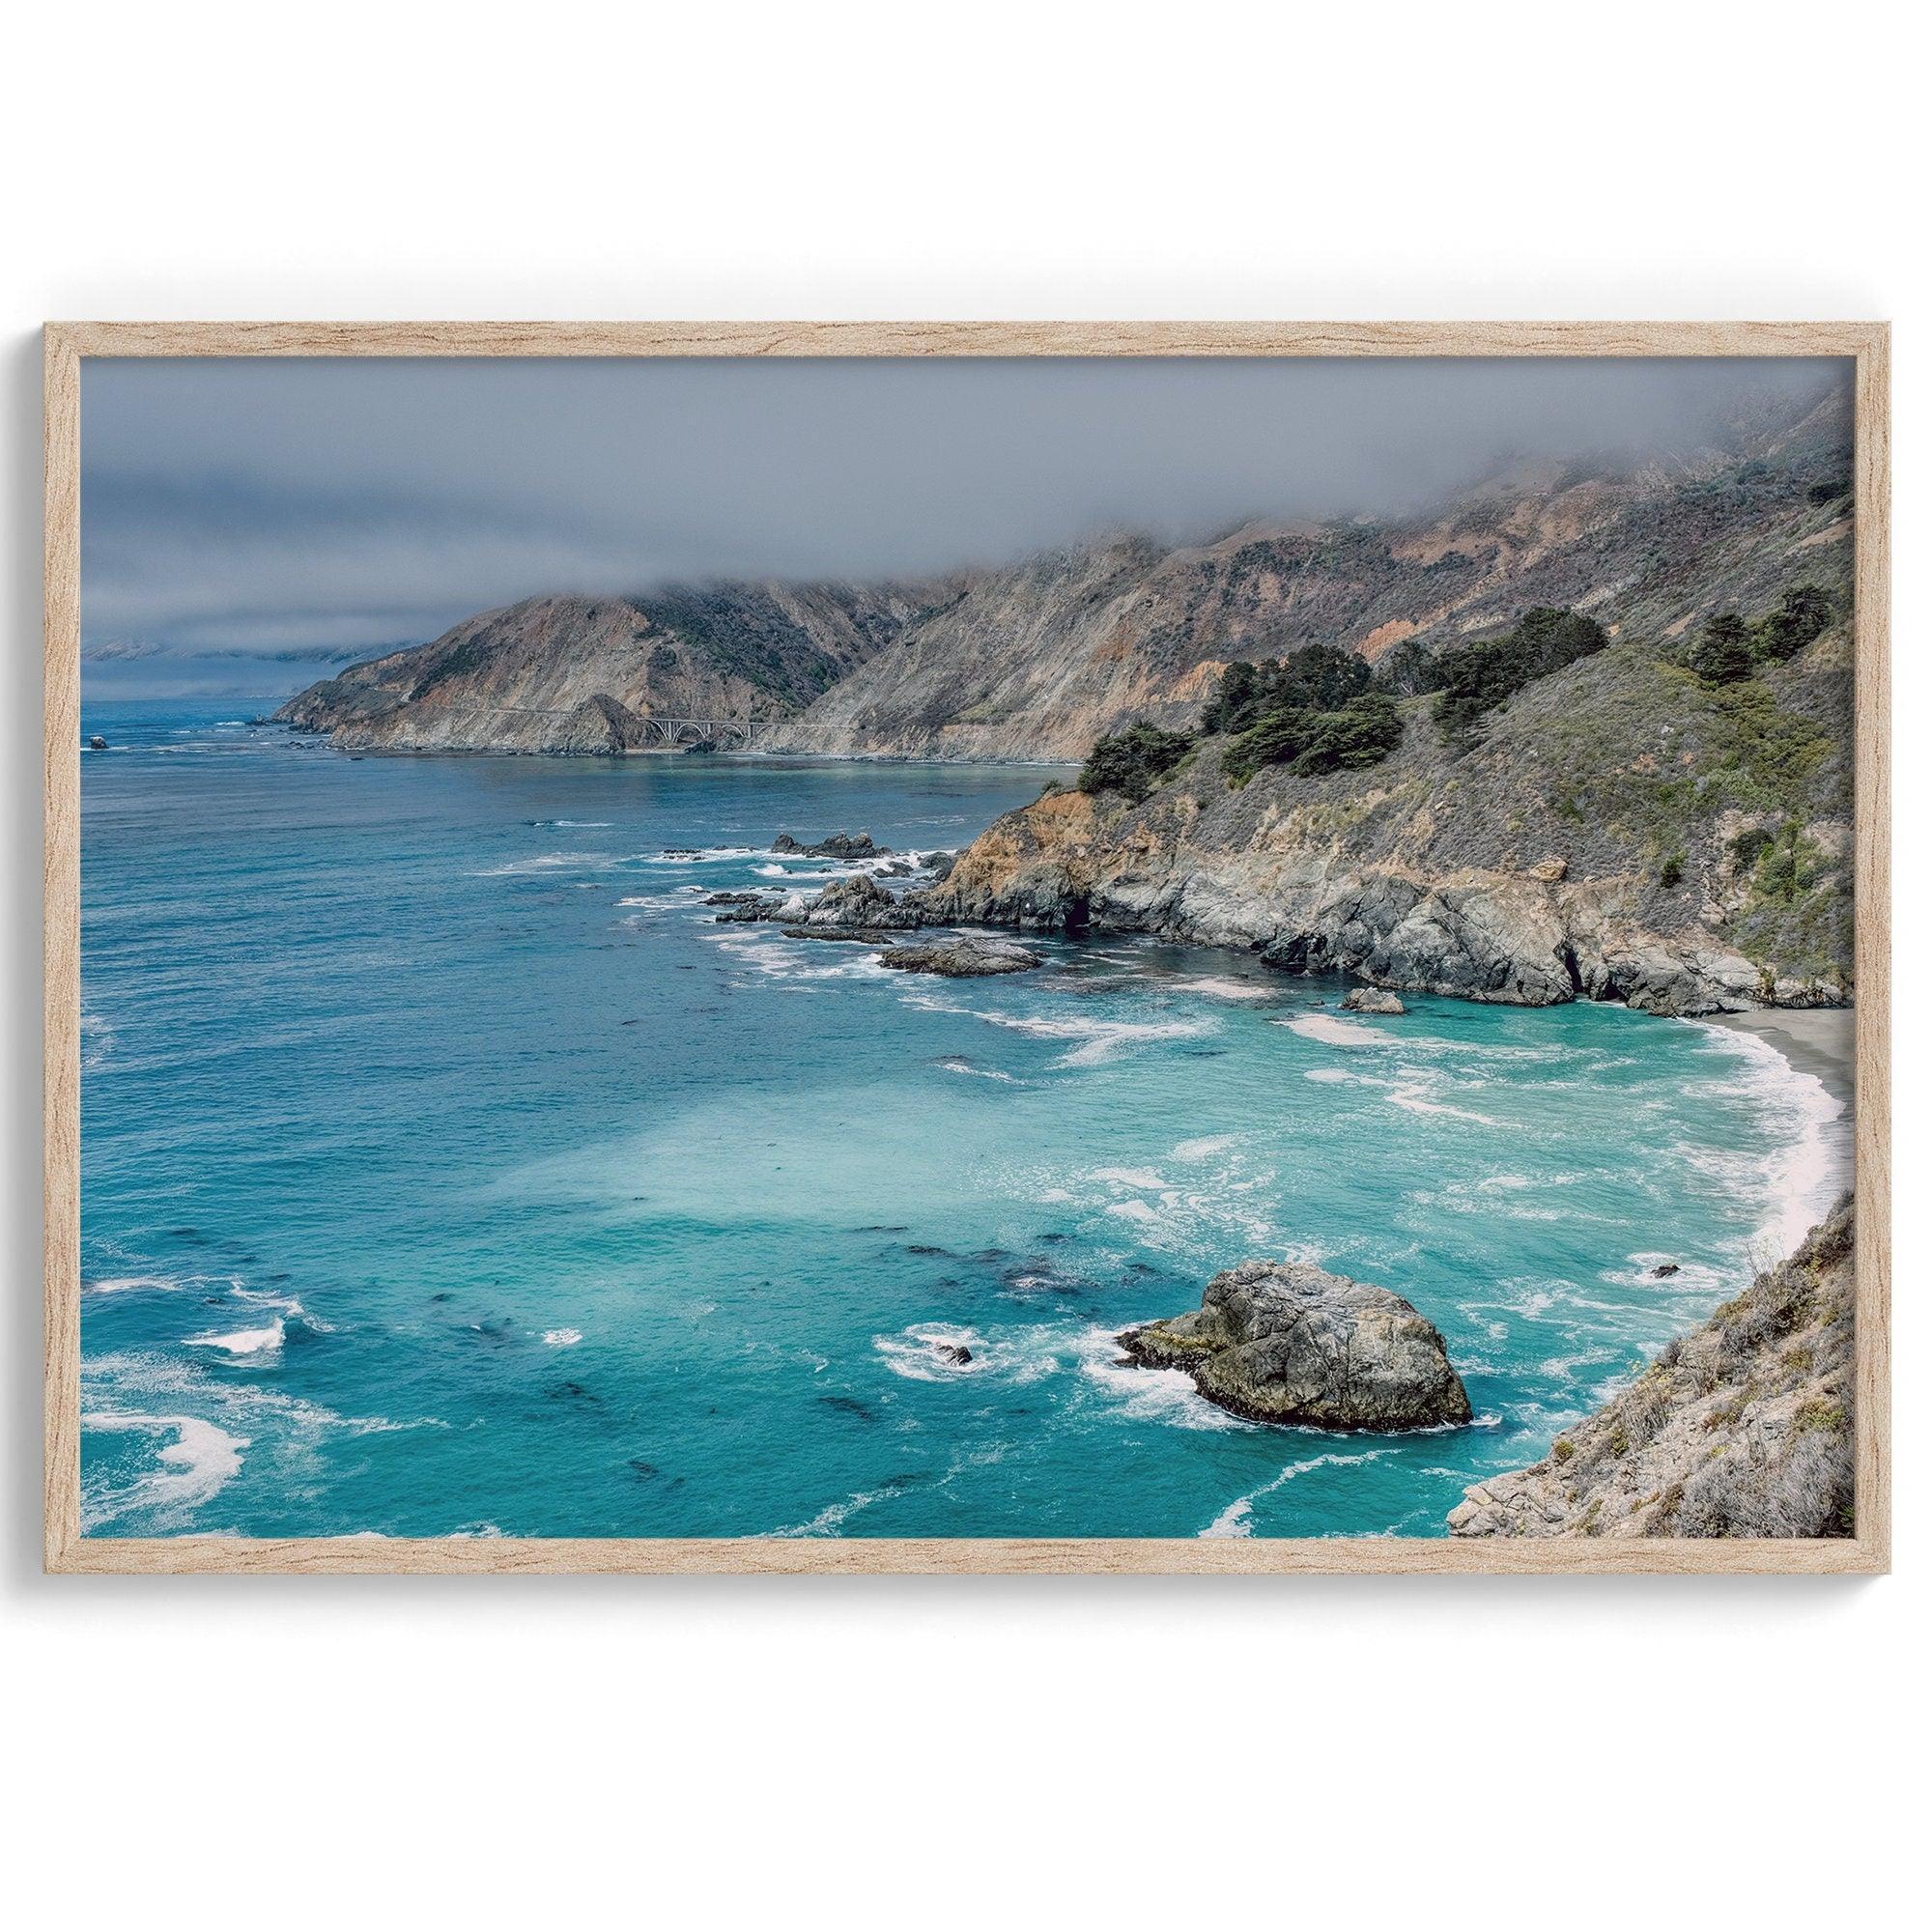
x,y
979,947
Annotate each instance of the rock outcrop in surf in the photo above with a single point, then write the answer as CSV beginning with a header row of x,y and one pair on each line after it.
x,y
1288,1343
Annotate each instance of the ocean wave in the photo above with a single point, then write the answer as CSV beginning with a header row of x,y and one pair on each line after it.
x,y
562,1338
240,1342
201,1461
1236,1520
97,1040
828,1519
1100,1040
156,1284
915,1353
795,961
543,862
1416,1098
1810,1167
709,855
1203,1149
1143,1177
1146,1395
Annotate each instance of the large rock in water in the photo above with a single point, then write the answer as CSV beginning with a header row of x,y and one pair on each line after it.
x,y
962,959
1372,1000
860,901
1284,1342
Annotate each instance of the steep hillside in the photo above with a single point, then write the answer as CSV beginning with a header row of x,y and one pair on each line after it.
x,y
1620,828
1740,1428
585,675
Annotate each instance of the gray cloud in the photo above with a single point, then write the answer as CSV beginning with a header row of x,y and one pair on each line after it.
x,y
262,506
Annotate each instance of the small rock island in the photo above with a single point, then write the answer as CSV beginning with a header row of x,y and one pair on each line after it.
x,y
1288,1343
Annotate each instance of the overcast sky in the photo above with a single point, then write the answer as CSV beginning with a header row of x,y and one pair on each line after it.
x,y
278,506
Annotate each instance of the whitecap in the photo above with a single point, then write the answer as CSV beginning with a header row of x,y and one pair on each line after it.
x,y
1131,1176
1237,1518
562,1338
1203,1149
129,1284
1100,1040
1146,1395
915,1353
1133,1210
1416,1097
543,862
828,1519
240,1342
200,1461
1811,1167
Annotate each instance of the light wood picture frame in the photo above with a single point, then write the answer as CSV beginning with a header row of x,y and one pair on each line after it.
x,y
69,345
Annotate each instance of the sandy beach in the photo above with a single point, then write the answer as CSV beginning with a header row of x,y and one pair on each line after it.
x,y
1815,1039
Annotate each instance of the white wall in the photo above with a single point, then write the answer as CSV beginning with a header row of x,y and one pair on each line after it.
x,y
933,1753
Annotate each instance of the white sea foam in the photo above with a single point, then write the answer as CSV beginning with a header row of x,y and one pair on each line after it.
x,y
1100,1040
828,1519
562,1338
710,855
915,1354
1143,1178
1237,1518
1203,1149
1146,1395
1416,1099
1133,1210
1222,989
795,960
977,1072
1329,1076
543,862
1811,1166
201,1461
240,1342
1333,1031
130,1284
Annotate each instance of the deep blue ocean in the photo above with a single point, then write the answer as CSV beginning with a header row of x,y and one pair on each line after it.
x,y
446,1168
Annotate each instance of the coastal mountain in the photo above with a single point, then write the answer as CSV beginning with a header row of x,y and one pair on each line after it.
x,y
1740,1428
589,674
1037,660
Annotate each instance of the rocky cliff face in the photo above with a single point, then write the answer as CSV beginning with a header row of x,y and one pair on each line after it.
x,y
1605,838
1742,1428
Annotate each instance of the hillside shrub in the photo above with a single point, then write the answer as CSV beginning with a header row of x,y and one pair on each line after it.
x,y
1134,761
1474,678
1350,737
1320,677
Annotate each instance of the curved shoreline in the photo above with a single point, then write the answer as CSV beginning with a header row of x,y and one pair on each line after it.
x,y
1819,1040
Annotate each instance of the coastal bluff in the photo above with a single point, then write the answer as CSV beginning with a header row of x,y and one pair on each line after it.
x,y
1284,1342
1740,1428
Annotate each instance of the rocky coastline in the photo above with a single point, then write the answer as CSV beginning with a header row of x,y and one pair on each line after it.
x,y
1743,1427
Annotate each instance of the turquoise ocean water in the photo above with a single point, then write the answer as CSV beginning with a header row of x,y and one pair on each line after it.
x,y
446,1168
